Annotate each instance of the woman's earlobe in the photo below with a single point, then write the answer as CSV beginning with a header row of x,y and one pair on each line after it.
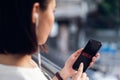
x,y
36,17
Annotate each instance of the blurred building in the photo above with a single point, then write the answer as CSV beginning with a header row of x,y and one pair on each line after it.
x,y
75,8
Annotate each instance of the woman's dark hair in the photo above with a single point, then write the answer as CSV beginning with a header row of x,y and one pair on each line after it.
x,y
17,33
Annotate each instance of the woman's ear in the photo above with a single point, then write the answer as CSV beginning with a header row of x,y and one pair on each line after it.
x,y
35,13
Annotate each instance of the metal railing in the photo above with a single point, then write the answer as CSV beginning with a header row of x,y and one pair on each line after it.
x,y
47,66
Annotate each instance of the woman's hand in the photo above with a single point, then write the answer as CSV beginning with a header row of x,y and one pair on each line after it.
x,y
67,70
94,59
80,75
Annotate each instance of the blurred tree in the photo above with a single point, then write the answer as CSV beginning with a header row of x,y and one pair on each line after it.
x,y
108,14
110,9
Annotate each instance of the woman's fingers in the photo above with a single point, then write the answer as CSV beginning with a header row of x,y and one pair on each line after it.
x,y
79,74
94,59
77,53
92,62
87,78
80,70
84,75
97,55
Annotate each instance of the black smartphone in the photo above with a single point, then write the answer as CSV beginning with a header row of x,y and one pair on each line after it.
x,y
87,54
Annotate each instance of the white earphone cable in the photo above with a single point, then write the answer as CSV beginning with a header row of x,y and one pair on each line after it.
x,y
39,59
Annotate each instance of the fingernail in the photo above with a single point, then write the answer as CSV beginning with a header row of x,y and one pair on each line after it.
x,y
81,64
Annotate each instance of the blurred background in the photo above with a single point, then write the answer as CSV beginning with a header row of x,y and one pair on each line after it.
x,y
76,22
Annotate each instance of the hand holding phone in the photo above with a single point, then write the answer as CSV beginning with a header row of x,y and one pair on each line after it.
x,y
87,54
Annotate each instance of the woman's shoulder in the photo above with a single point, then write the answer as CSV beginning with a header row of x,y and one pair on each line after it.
x,y
18,73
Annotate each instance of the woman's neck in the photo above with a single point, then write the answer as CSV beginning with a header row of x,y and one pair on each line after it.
x,y
17,60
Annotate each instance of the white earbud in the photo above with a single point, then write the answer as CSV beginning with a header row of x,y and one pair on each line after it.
x,y
36,19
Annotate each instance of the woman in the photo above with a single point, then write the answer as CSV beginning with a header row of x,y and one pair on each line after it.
x,y
25,25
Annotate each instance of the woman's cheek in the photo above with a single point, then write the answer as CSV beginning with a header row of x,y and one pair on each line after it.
x,y
51,21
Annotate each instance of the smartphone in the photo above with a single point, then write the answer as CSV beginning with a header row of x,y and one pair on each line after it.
x,y
87,54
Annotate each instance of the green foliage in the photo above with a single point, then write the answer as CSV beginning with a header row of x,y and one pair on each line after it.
x,y
111,7
110,11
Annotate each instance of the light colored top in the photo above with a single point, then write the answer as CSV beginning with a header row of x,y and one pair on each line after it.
x,y
19,73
